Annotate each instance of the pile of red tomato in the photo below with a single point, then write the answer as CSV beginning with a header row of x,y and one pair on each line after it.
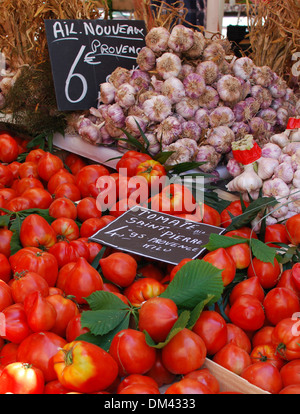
x,y
43,287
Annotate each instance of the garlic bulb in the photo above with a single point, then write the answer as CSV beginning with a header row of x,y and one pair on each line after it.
x,y
208,155
209,99
146,59
132,124
214,52
125,95
276,187
222,115
220,138
89,131
187,144
191,130
295,135
246,182
266,167
169,130
281,139
278,88
119,76
168,65
194,85
268,115
243,67
107,93
285,172
296,179
153,144
139,79
173,89
157,39
197,49
202,118
209,70
262,75
181,154
186,69
234,168
271,150
291,148
240,129
262,95
181,38
228,88
157,108
279,210
187,107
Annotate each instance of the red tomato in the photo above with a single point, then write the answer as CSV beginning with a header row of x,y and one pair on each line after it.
x,y
65,309
5,268
65,228
290,389
212,328
222,260
134,379
82,280
14,168
233,358
5,237
93,247
63,207
48,165
75,163
40,197
25,283
264,375
208,215
276,233
35,260
84,367
188,386
87,208
287,281
55,387
60,177
205,377
9,149
139,389
41,314
87,176
184,353
240,254
39,349
143,289
159,372
16,325
35,155
8,193
19,203
178,267
246,232
266,353
290,373
21,378
8,353
6,176
286,338
27,183
157,316
132,353
6,298
173,199
129,162
151,270
68,190
263,336
74,328
238,337
28,169
292,229
250,286
36,232
121,207
91,225
295,276
267,273
154,174
280,303
119,268
247,312
235,209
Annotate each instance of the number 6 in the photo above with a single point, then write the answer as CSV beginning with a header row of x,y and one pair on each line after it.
x,y
79,75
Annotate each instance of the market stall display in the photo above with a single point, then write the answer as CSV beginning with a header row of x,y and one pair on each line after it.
x,y
79,316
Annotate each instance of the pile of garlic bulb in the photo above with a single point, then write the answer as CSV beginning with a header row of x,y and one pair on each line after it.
x,y
275,174
189,95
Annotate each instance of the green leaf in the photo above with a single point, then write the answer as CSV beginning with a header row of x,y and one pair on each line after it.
x,y
183,167
196,312
4,220
102,300
213,200
133,141
217,241
163,156
180,324
251,212
100,322
263,252
193,283
98,256
15,243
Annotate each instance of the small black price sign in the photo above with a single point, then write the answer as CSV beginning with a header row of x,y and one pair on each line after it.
x,y
156,235
83,53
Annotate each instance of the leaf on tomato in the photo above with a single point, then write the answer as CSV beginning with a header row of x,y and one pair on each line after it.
x,y
101,322
217,241
251,212
196,312
193,283
180,324
263,252
102,300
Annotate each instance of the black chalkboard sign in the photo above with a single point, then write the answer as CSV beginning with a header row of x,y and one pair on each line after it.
x,y
156,235
83,53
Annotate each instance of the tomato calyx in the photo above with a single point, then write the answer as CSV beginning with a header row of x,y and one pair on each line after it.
x,y
19,275
68,356
281,350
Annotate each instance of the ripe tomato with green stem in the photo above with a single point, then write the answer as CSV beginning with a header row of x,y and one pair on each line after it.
x,y
280,303
286,338
37,232
233,358
21,378
119,268
267,273
173,199
222,260
130,161
264,375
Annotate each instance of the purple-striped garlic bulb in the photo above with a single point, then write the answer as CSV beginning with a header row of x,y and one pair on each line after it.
x,y
125,95
222,115
168,65
107,92
209,156
181,38
173,89
169,130
194,85
243,68
220,138
209,70
157,39
191,130
229,89
157,108
209,99
146,59
187,107
202,118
